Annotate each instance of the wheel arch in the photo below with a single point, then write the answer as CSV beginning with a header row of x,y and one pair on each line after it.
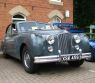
x,y
21,49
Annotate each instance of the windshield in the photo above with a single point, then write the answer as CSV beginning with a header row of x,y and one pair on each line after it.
x,y
30,26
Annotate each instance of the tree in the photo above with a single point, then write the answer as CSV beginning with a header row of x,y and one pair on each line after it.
x,y
84,12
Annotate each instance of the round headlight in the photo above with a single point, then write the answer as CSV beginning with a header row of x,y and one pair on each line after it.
x,y
50,49
50,40
77,38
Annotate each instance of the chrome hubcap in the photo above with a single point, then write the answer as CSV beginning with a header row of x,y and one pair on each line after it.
x,y
26,59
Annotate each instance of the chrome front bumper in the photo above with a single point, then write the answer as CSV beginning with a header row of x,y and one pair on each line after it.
x,y
57,58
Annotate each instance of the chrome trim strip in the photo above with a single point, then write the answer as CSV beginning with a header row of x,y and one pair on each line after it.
x,y
56,58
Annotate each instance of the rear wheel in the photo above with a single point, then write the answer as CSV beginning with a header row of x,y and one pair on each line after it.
x,y
28,61
76,63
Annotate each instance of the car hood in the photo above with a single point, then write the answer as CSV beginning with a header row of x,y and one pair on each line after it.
x,y
49,32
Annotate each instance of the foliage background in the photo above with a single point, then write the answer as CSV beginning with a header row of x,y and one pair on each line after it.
x,y
84,12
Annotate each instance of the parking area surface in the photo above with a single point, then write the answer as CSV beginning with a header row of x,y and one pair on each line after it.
x,y
11,71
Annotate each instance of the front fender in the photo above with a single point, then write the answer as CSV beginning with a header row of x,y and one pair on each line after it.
x,y
85,46
37,42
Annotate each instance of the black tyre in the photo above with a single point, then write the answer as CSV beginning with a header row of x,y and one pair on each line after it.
x,y
28,61
76,63
6,56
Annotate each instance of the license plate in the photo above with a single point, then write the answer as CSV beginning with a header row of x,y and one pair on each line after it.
x,y
75,57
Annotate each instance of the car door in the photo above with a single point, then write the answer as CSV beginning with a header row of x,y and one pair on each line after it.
x,y
7,40
10,40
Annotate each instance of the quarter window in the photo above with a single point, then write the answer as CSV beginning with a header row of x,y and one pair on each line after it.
x,y
9,31
13,28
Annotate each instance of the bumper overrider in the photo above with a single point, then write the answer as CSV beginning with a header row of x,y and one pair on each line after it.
x,y
58,58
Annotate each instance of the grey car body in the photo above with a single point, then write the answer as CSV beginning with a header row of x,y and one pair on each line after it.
x,y
36,37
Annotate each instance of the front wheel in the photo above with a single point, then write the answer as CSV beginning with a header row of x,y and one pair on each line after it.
x,y
76,63
28,61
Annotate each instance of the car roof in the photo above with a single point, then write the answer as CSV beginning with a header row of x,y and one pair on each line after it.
x,y
28,21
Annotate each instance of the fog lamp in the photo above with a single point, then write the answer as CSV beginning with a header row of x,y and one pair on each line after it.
x,y
50,49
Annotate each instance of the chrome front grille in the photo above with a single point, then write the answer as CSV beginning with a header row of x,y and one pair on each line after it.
x,y
65,43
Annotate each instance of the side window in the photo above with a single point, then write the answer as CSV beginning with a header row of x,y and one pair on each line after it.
x,y
27,26
8,31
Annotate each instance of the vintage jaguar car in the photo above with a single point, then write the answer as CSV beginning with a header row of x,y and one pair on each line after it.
x,y
37,42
